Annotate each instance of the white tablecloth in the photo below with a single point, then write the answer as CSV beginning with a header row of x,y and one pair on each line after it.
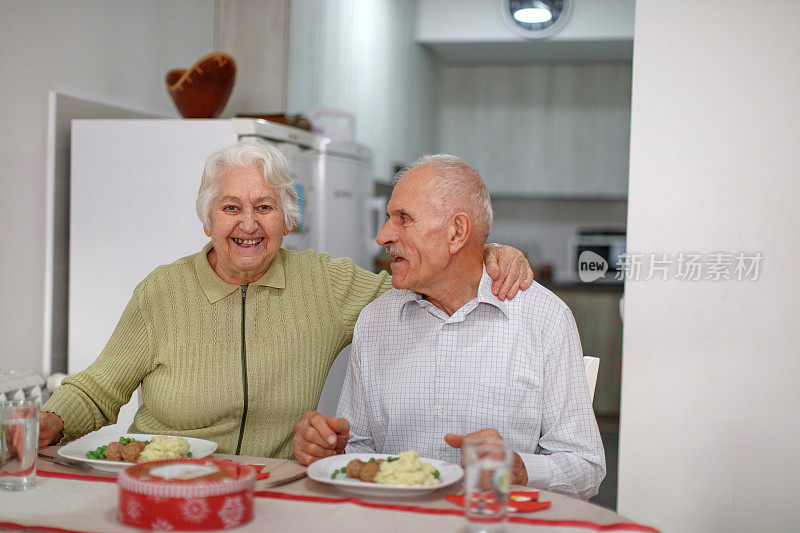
x,y
84,505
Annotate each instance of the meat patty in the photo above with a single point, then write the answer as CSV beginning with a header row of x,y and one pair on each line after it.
x,y
369,471
133,450
114,452
354,467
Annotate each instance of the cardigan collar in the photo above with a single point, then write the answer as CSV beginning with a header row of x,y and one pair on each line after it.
x,y
216,288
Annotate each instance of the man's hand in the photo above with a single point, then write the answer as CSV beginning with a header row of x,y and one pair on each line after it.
x,y
508,268
519,474
51,428
317,437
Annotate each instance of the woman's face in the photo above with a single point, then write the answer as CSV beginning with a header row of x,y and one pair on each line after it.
x,y
245,225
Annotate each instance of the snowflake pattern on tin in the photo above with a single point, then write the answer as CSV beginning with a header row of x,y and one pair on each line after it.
x,y
133,508
194,510
232,511
161,525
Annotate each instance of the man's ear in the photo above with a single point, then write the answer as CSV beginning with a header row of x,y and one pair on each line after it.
x,y
206,230
458,232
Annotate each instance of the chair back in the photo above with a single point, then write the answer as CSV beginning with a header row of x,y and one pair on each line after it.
x,y
591,365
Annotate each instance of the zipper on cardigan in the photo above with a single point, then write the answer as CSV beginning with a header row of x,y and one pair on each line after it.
x,y
244,375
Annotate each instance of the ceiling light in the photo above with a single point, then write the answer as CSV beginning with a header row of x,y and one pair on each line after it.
x,y
535,19
536,14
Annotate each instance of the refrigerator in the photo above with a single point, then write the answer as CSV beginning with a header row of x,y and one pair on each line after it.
x,y
133,185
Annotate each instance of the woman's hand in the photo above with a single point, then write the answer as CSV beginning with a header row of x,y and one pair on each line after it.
x,y
508,268
51,428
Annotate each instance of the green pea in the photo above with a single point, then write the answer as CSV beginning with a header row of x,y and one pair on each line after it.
x,y
99,453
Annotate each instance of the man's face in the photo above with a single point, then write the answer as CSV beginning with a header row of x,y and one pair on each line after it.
x,y
415,235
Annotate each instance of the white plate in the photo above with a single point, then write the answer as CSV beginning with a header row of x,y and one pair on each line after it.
x,y
76,450
321,471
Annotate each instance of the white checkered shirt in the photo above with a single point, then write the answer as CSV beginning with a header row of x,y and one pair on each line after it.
x,y
416,374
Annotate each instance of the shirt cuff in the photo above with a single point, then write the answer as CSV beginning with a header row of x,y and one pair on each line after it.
x,y
537,467
358,444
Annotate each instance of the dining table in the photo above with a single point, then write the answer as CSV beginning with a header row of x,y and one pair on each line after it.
x,y
78,498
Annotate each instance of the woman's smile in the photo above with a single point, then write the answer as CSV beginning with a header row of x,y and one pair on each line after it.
x,y
248,243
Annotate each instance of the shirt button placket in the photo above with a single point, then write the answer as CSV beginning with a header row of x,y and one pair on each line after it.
x,y
441,381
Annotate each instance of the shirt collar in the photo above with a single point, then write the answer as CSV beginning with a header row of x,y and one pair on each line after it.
x,y
409,297
484,296
216,288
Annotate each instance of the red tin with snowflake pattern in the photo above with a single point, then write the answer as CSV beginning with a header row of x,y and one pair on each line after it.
x,y
186,495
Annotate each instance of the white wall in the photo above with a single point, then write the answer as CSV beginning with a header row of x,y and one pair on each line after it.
x,y
113,51
360,55
711,371
256,34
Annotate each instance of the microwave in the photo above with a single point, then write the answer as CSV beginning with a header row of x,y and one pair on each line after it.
x,y
609,244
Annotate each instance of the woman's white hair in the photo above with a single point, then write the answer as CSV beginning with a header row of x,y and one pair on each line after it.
x,y
458,180
249,153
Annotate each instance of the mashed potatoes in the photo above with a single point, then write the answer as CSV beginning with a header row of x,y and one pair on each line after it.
x,y
408,470
163,447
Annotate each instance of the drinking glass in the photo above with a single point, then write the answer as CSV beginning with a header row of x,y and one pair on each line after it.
x,y
487,478
19,438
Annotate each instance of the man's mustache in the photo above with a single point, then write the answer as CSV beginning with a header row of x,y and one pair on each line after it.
x,y
394,251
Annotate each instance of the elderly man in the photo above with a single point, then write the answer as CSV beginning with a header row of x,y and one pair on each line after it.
x,y
438,358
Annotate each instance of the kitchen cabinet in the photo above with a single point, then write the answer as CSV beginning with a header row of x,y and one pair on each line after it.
x,y
544,129
596,311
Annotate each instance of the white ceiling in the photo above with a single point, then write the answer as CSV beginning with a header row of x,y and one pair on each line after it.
x,y
474,30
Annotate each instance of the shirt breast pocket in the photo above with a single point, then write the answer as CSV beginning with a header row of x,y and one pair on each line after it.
x,y
512,410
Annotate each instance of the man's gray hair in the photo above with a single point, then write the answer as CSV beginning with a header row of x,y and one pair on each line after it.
x,y
455,178
252,154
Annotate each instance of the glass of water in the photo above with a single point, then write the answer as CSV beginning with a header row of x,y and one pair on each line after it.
x,y
19,438
487,479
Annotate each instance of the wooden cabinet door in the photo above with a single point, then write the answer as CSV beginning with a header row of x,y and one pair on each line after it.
x,y
547,129
596,312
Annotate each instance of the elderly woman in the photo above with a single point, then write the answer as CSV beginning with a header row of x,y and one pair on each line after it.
x,y
232,344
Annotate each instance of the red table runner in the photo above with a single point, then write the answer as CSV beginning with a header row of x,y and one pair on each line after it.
x,y
625,526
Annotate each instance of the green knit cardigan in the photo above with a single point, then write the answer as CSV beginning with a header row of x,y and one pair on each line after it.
x,y
235,365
